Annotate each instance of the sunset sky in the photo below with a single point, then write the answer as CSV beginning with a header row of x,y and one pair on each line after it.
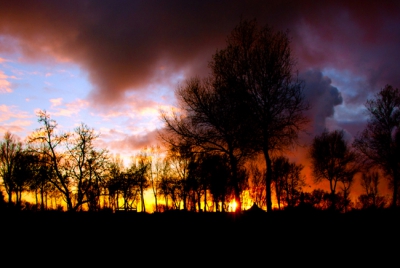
x,y
114,64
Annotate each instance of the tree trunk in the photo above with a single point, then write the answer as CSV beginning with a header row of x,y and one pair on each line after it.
x,y
235,179
268,180
143,207
155,200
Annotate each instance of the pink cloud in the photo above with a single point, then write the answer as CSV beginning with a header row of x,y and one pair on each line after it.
x,y
5,85
13,120
58,108
55,102
8,112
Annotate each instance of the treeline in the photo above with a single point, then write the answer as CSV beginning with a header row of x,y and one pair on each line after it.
x,y
66,170
225,146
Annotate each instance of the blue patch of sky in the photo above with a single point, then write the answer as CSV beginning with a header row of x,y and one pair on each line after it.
x,y
348,85
35,83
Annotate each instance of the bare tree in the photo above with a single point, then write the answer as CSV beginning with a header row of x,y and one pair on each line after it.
x,y
156,170
40,184
257,185
114,181
139,170
257,66
86,166
380,140
333,160
287,180
74,160
371,198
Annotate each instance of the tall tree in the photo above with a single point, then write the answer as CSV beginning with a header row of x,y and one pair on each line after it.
x,y
380,140
86,166
257,67
47,143
333,160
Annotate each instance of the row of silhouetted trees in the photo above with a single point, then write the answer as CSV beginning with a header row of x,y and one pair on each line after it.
x,y
55,168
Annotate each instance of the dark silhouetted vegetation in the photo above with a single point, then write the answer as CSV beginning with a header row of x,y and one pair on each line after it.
x,y
224,150
379,143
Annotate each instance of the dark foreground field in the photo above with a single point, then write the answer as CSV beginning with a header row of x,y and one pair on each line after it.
x,y
185,239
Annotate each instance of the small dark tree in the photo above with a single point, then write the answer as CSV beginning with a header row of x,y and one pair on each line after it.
x,y
113,182
40,185
257,185
139,170
23,174
371,198
332,160
287,180
216,170
380,140
9,149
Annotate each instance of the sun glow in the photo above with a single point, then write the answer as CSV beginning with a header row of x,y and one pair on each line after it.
x,y
233,205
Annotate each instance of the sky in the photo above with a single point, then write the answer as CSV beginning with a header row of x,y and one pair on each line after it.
x,y
114,64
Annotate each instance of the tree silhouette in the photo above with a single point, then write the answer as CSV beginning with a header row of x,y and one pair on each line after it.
x,y
379,143
287,180
23,173
251,101
371,198
76,165
9,149
215,170
333,160
113,182
156,168
40,184
258,65
85,166
257,185
139,173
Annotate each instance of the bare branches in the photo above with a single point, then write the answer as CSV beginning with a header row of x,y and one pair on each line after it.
x,y
379,143
333,160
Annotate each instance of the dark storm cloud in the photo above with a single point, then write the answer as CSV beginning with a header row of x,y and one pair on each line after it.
x,y
125,45
322,96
